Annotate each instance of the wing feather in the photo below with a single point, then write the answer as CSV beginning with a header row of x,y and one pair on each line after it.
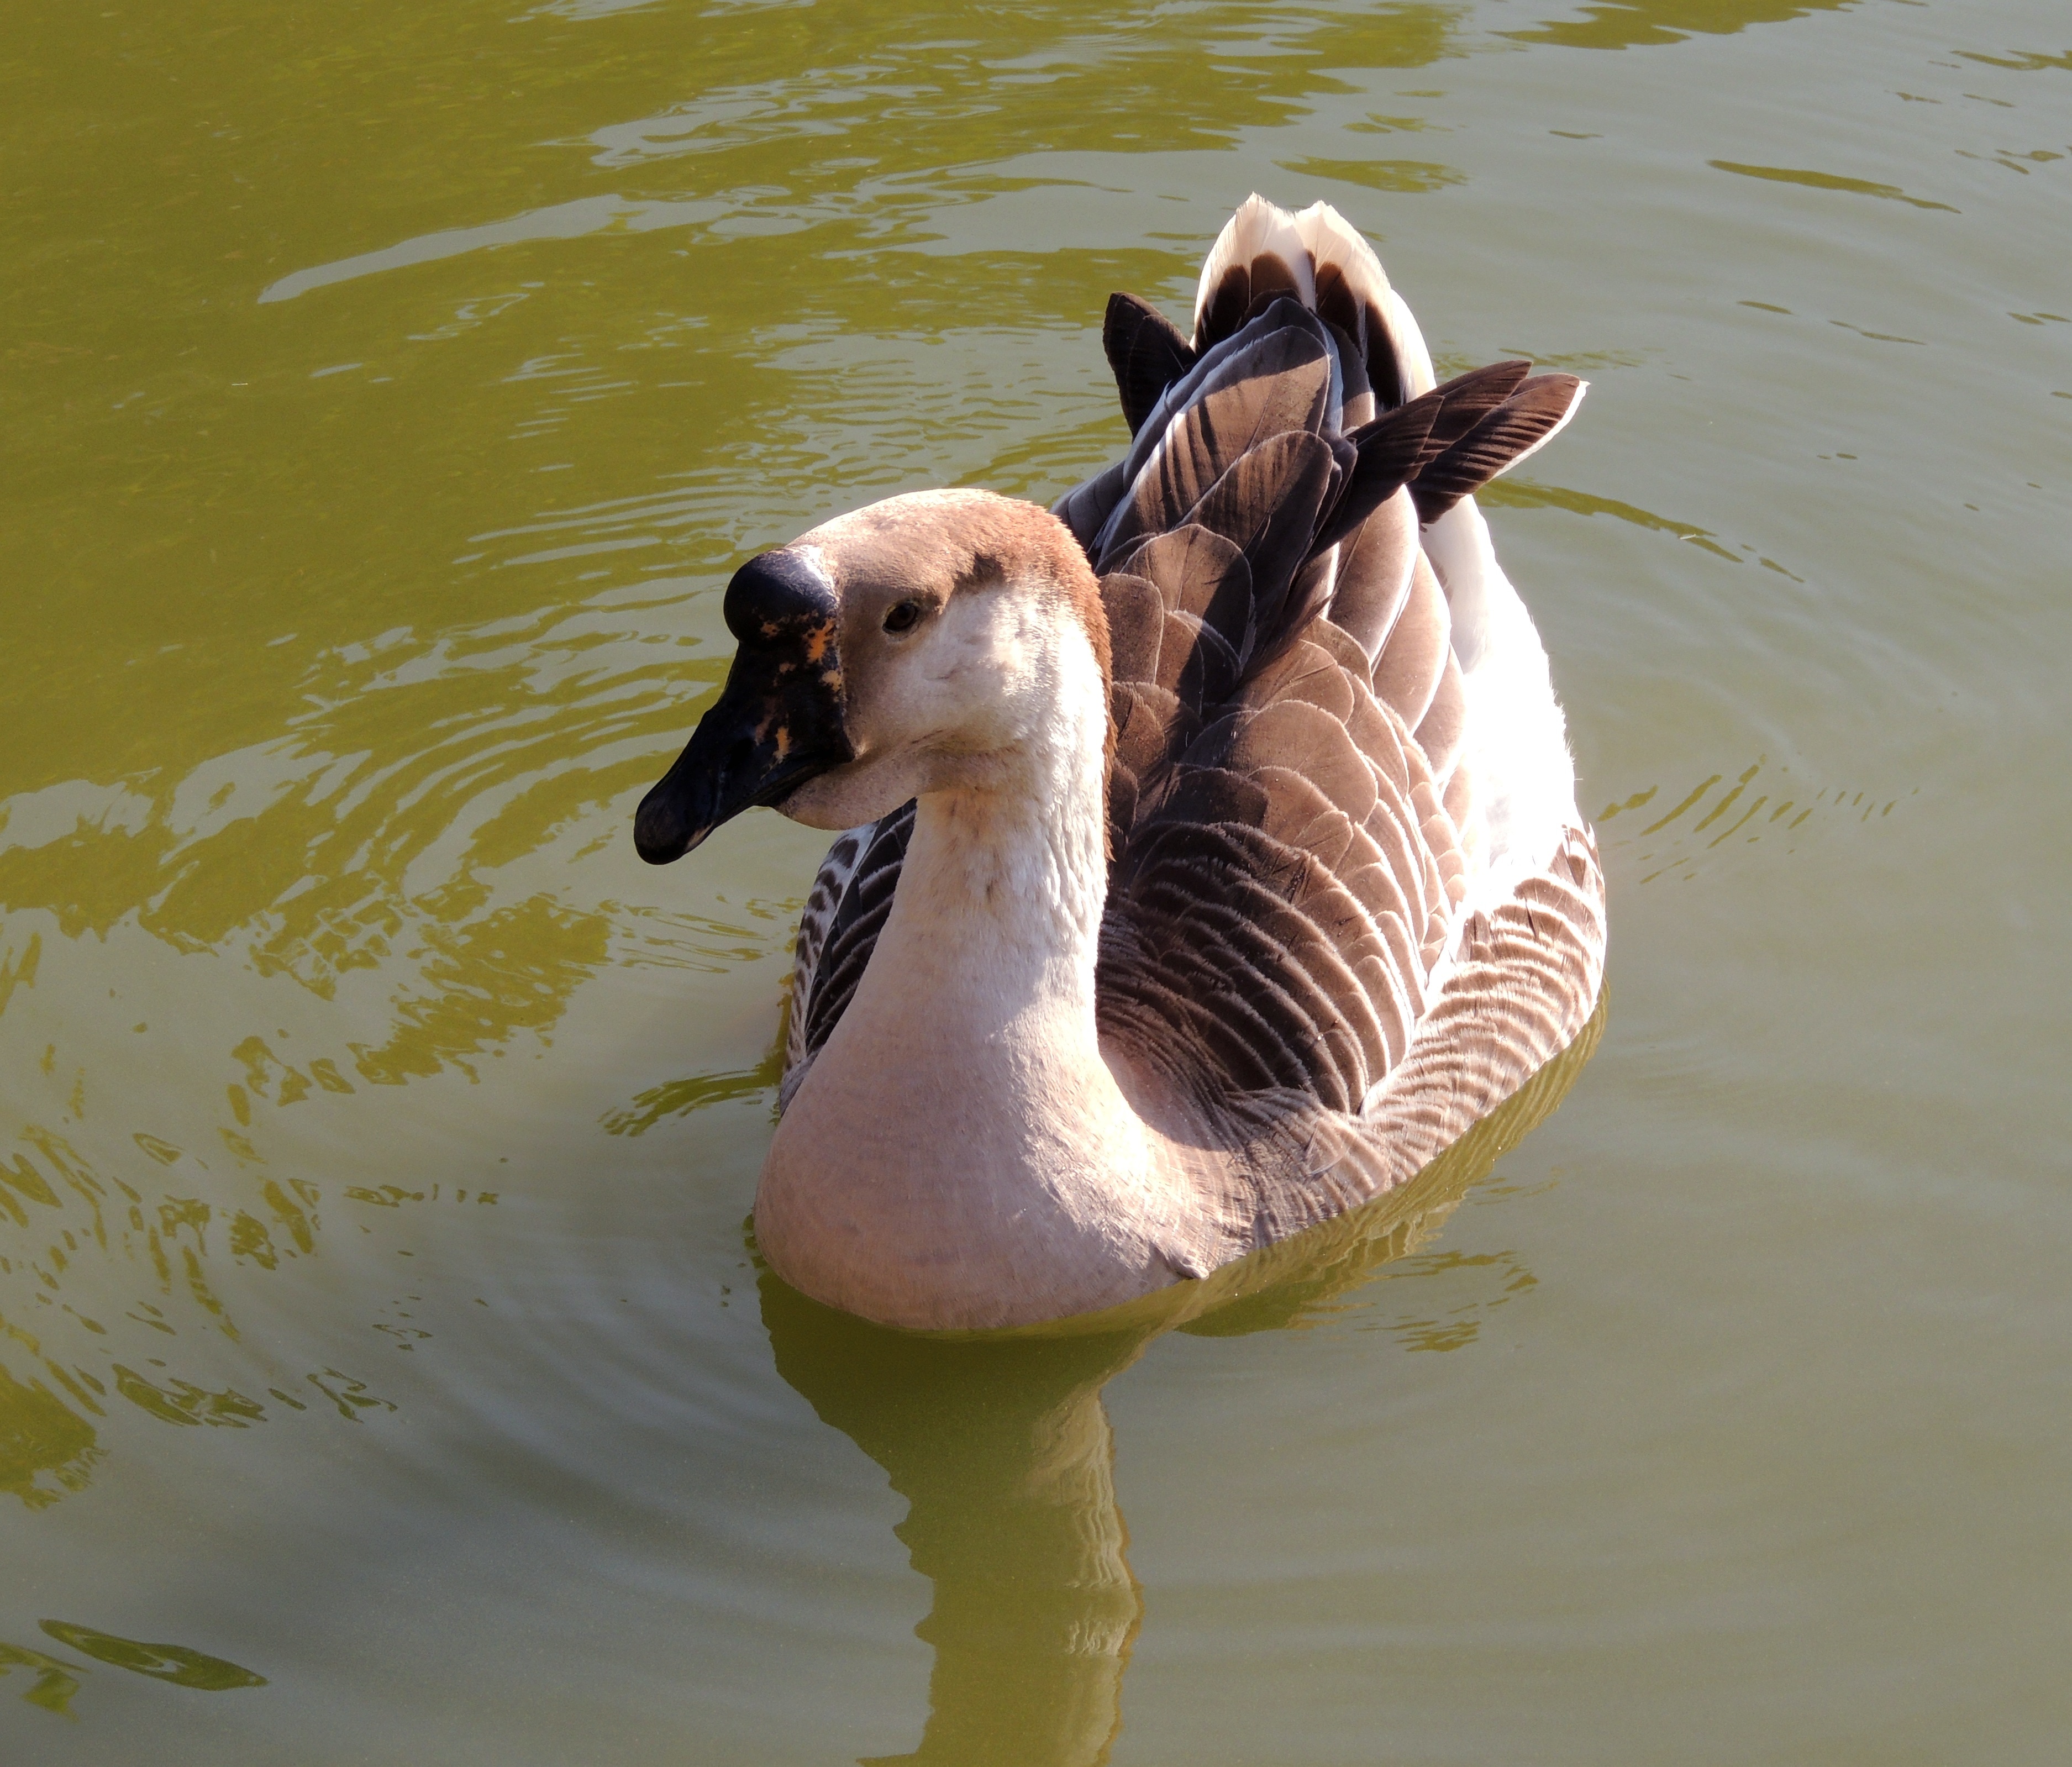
x,y
1282,384
1523,424
851,935
1147,352
1406,674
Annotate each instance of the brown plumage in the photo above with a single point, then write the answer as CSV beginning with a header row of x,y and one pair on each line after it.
x,y
1348,906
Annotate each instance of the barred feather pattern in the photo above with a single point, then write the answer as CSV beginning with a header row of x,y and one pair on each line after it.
x,y
1528,976
844,915
1300,965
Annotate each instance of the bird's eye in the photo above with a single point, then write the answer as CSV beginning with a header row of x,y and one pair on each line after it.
x,y
903,617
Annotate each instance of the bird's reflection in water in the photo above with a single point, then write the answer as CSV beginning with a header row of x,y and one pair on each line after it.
x,y
1003,1451
1002,1448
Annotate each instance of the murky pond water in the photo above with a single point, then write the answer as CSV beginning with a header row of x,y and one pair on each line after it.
x,y
385,1372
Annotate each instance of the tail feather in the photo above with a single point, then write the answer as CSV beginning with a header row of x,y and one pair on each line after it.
x,y
1413,361
1258,252
1297,460
1353,292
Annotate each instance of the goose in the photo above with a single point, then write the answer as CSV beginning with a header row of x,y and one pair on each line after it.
x,y
1210,859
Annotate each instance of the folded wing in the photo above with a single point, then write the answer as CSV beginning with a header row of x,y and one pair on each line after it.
x,y
1294,828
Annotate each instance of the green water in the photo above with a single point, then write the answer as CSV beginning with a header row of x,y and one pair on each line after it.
x,y
387,392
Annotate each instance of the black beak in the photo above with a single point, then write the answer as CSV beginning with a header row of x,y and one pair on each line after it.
x,y
777,722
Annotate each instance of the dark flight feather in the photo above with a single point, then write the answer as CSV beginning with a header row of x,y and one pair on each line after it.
x,y
853,933
1147,352
1278,384
1387,453
1466,399
1495,442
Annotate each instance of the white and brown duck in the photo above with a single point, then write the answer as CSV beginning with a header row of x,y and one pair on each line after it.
x,y
1212,858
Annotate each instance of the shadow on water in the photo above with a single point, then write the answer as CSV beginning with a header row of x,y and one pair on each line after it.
x,y
1002,1448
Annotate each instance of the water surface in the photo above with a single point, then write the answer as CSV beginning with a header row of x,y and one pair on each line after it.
x,y
385,1370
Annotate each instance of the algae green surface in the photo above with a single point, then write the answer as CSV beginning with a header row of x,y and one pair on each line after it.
x,y
386,393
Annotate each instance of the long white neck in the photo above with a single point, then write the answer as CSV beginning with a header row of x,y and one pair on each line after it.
x,y
960,1135
997,917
